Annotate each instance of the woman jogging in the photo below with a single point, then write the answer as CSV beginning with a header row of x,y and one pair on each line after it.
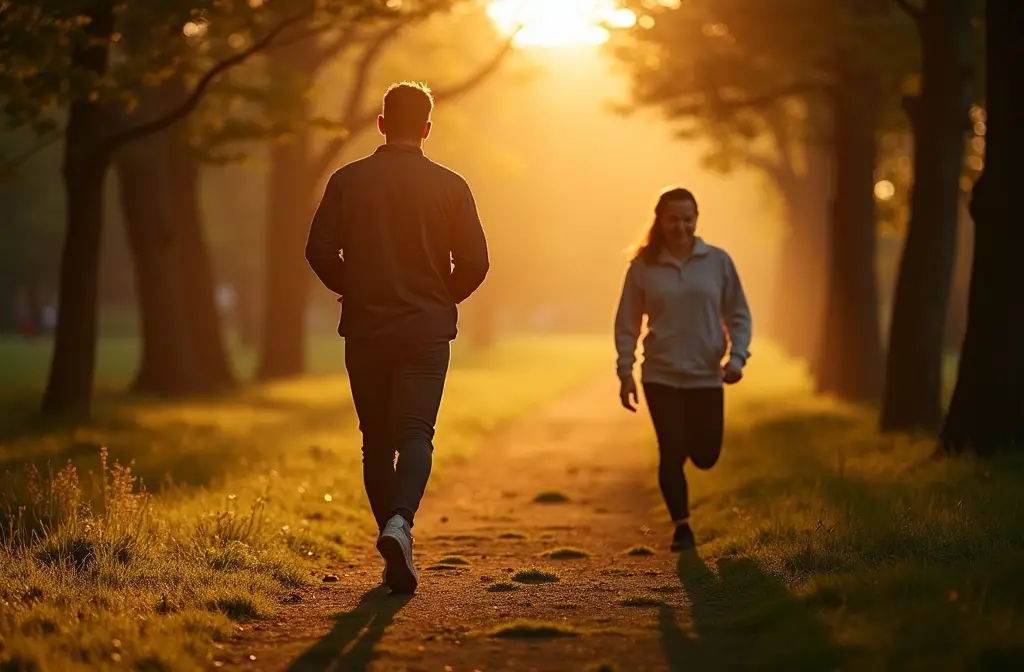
x,y
695,307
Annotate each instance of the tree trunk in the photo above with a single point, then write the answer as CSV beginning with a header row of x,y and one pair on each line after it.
x,y
851,360
292,200
205,324
986,414
798,306
69,385
939,118
168,365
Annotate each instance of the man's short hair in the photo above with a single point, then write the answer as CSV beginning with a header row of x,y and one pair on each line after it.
x,y
407,108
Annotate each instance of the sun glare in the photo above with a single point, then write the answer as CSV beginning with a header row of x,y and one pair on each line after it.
x,y
559,23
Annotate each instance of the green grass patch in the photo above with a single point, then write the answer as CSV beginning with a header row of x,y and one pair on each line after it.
x,y
551,497
534,575
642,601
526,629
512,535
640,551
664,590
161,524
502,587
566,553
453,560
616,571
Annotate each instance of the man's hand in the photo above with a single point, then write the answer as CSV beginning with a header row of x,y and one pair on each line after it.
x,y
731,374
628,393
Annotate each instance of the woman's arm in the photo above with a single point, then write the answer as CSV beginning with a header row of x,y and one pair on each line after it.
x,y
736,315
628,320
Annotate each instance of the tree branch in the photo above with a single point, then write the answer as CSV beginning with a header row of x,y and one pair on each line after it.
x,y
364,66
343,41
358,123
192,101
911,10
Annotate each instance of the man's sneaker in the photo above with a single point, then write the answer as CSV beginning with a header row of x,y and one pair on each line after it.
x,y
683,538
395,545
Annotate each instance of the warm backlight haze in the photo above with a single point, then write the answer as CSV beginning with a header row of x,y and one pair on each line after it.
x,y
559,23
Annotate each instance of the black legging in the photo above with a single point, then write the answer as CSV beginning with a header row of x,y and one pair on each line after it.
x,y
688,424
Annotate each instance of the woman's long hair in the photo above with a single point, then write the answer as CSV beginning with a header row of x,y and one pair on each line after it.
x,y
653,240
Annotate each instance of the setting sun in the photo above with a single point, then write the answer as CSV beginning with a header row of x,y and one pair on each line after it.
x,y
557,23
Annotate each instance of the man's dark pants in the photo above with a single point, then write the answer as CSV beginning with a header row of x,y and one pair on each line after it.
x,y
396,389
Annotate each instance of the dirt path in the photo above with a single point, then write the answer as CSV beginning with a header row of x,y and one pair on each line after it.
x,y
484,514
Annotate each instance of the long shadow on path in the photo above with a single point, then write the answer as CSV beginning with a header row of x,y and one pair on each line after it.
x,y
349,647
744,619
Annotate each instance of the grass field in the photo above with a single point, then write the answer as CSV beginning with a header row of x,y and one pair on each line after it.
x,y
824,545
25,363
828,547
251,494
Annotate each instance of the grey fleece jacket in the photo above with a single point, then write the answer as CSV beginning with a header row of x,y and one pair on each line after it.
x,y
692,307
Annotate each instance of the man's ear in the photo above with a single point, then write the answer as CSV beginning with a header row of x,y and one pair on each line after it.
x,y
380,125
426,129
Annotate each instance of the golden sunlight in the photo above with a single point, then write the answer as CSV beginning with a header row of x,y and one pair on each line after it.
x,y
559,23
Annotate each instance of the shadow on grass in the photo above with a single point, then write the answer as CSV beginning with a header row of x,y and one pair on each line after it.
x,y
744,618
900,505
350,645
916,559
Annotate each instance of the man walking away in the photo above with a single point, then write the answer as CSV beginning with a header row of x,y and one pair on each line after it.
x,y
398,236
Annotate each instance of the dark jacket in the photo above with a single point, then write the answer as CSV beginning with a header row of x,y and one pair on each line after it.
x,y
398,236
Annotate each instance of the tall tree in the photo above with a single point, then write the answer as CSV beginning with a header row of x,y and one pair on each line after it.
x,y
167,364
64,55
817,67
183,349
985,415
939,117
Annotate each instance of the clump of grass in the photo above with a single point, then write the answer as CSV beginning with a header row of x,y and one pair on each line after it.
x,y
502,587
533,575
640,551
566,553
642,601
666,589
231,557
66,550
616,571
511,535
551,497
442,568
220,528
453,560
526,629
240,606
